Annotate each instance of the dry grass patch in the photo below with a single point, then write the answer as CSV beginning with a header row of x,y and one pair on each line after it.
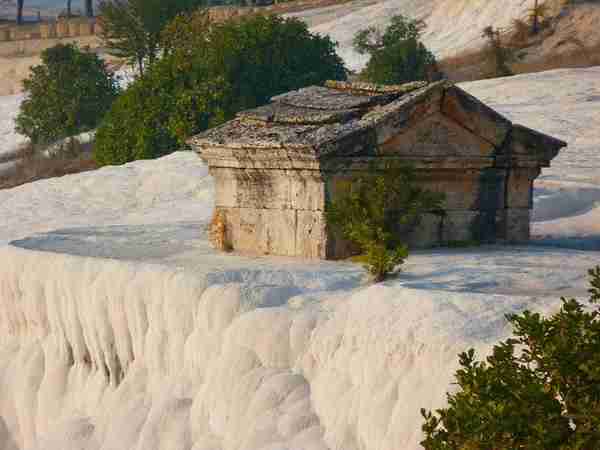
x,y
468,66
581,57
565,39
478,65
32,166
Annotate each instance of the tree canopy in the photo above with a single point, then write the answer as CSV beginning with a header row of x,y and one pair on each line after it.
x,y
396,54
131,28
206,75
371,40
67,94
538,390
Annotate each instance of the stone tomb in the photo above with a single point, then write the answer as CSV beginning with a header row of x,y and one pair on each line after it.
x,y
277,167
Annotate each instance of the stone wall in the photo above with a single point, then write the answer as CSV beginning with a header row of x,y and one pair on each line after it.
x,y
272,211
63,28
281,212
222,13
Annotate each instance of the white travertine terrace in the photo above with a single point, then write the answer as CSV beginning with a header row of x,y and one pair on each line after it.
x,y
170,346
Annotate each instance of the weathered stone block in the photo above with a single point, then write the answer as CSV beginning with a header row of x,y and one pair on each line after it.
x,y
267,231
45,31
62,29
251,188
73,27
514,225
437,135
263,189
394,120
307,190
225,187
86,28
311,235
461,226
456,225
425,234
475,116
519,192
467,189
231,220
490,190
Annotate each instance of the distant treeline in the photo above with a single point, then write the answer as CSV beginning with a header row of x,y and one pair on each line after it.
x,y
88,6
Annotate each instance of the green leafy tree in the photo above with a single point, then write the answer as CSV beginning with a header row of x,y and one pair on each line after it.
x,y
396,55
131,29
207,75
67,94
186,34
155,115
371,40
263,56
539,390
375,211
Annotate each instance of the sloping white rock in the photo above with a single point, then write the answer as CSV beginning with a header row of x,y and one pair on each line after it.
x,y
452,25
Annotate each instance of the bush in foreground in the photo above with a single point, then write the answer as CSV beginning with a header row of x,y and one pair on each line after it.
x,y
67,94
208,74
539,390
371,211
397,55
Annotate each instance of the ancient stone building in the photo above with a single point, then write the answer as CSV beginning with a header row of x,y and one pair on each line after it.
x,y
276,167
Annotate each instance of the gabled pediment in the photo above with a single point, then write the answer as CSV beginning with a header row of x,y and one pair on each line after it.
x,y
437,136
476,116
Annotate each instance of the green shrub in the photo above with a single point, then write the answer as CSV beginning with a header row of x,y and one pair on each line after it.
x,y
373,211
155,114
400,63
539,390
397,55
67,94
207,75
